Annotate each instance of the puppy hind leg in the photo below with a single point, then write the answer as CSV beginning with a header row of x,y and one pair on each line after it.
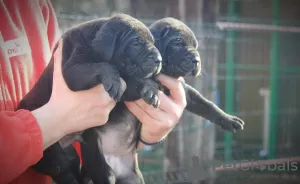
x,y
94,164
73,161
55,163
84,179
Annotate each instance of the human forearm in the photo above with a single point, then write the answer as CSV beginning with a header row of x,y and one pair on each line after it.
x,y
20,143
50,125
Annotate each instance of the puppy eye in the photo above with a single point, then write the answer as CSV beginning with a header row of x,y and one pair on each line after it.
x,y
177,42
135,44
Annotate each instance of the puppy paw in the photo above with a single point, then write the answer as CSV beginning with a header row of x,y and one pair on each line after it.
x,y
111,81
113,87
150,95
231,123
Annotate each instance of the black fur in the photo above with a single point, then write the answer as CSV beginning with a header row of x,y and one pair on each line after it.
x,y
118,138
178,47
98,51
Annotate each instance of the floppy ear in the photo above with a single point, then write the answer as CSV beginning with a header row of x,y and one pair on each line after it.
x,y
159,35
165,32
104,43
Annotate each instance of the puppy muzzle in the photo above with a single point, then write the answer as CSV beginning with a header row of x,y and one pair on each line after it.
x,y
183,65
154,60
197,62
197,70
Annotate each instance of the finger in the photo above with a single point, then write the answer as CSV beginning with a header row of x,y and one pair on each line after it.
x,y
138,112
148,114
102,95
154,113
167,111
58,80
166,104
111,105
181,79
176,89
152,116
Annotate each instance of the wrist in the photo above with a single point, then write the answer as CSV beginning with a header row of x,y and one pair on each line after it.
x,y
148,138
49,123
141,141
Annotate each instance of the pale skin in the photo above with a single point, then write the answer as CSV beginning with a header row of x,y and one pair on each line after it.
x,y
158,122
68,111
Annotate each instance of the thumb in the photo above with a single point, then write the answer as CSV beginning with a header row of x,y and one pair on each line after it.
x,y
58,80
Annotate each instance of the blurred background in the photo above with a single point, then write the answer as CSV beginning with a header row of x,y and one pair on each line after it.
x,y
250,52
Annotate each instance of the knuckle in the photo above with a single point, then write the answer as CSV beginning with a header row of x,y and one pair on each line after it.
x,y
158,126
177,115
181,79
160,129
146,106
107,101
108,109
105,118
183,103
178,84
169,124
105,114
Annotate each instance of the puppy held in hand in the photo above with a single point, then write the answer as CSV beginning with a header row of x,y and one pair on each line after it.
x,y
180,58
97,52
178,47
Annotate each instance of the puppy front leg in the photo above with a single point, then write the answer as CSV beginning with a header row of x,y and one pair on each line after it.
x,y
146,89
87,75
197,104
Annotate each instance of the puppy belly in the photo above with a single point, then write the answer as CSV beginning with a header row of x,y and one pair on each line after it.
x,y
116,142
122,166
118,138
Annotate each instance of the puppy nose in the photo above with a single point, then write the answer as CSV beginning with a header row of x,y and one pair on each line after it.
x,y
196,59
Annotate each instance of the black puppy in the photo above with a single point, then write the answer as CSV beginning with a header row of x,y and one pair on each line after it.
x,y
98,51
178,47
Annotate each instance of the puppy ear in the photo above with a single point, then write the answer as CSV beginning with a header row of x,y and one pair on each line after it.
x,y
104,43
165,32
159,35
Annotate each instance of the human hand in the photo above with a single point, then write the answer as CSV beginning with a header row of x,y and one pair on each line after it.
x,y
68,111
158,122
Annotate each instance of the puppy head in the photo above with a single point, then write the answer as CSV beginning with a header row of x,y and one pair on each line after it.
x,y
178,47
129,45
